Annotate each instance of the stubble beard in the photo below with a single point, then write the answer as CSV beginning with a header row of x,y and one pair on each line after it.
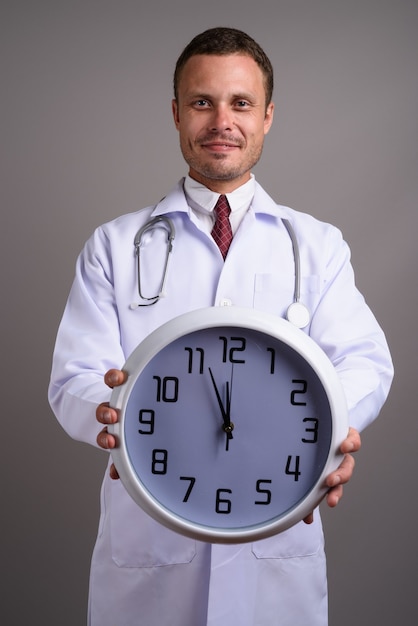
x,y
219,168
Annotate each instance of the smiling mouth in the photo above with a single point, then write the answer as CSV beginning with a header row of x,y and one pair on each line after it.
x,y
219,143
219,146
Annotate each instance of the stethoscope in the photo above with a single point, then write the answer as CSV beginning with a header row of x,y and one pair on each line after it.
x,y
297,313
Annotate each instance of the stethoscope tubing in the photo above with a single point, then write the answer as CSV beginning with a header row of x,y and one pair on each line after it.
x,y
297,312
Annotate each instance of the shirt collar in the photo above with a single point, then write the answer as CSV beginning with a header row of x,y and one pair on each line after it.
x,y
203,199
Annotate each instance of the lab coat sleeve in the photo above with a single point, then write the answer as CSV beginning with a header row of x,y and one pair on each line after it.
x,y
88,343
346,329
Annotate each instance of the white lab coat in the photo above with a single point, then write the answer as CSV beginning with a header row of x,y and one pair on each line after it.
x,y
143,574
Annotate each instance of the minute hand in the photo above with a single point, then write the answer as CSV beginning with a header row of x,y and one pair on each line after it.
x,y
226,411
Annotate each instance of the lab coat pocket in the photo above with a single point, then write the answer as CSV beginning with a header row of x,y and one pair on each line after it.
x,y
301,540
275,292
138,541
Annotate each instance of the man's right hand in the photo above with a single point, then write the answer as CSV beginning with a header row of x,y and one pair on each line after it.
x,y
106,415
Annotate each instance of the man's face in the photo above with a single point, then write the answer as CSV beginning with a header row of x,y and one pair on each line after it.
x,y
222,118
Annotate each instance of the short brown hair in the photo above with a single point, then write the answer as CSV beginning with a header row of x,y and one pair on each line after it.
x,y
224,41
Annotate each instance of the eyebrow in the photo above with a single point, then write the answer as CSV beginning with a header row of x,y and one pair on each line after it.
x,y
195,95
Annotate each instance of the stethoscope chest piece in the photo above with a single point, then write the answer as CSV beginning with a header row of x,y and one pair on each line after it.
x,y
298,315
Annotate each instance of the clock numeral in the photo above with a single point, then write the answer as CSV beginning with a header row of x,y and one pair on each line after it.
x,y
167,388
199,358
297,392
229,352
313,430
293,472
192,481
146,418
159,461
266,492
272,359
223,505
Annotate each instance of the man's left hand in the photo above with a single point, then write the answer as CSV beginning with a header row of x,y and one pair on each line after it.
x,y
343,473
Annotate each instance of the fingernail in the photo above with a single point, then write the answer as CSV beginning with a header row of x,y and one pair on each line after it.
x,y
107,417
113,378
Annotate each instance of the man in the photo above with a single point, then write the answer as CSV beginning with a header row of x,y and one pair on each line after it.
x,y
141,572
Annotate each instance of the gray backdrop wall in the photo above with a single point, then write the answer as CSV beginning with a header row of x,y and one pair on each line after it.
x,y
86,134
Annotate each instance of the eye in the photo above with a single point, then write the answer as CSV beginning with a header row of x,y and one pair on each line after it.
x,y
201,103
242,104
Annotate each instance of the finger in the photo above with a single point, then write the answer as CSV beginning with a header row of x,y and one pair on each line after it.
x,y
343,473
334,496
105,414
309,518
352,443
113,472
105,440
114,378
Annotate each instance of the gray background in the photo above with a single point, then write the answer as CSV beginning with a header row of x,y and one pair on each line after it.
x,y
86,134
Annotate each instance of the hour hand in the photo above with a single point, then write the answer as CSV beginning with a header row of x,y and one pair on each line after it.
x,y
228,426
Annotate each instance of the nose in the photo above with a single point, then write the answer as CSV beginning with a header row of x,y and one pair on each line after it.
x,y
222,118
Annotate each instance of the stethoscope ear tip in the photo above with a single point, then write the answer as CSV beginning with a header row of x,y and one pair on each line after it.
x,y
298,315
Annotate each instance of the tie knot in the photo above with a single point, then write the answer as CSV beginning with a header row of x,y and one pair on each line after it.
x,y
222,207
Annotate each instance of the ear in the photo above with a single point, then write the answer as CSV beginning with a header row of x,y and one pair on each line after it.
x,y
175,110
268,119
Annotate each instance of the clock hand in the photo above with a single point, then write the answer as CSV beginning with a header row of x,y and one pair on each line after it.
x,y
228,426
225,412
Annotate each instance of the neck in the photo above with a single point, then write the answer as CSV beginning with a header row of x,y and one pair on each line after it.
x,y
220,186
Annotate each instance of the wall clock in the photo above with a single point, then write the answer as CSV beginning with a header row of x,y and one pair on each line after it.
x,y
229,422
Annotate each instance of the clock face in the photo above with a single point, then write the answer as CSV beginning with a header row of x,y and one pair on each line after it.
x,y
226,432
